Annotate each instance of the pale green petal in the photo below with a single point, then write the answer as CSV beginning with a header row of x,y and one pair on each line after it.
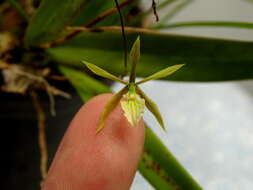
x,y
133,110
134,58
101,72
152,107
163,73
109,107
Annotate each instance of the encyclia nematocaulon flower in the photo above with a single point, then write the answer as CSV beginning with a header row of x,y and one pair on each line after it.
x,y
134,99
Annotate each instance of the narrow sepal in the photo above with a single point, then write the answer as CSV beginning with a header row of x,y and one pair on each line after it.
x,y
152,107
109,107
163,73
134,58
101,72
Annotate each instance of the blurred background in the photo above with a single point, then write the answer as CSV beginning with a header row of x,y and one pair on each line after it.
x,y
210,125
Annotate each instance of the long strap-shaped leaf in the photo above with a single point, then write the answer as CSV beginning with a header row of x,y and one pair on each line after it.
x,y
109,107
160,162
101,72
152,107
223,24
163,73
206,59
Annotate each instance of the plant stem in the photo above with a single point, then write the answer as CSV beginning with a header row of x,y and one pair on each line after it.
x,y
123,36
128,29
225,24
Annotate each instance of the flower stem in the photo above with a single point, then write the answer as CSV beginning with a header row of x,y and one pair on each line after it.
x,y
123,36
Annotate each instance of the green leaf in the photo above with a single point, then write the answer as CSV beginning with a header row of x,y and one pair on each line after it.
x,y
154,174
223,24
86,86
91,10
100,72
134,58
97,7
152,107
161,74
206,59
109,107
159,163
50,19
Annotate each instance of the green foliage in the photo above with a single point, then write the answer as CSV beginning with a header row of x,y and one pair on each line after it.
x,y
52,16
158,162
50,19
222,24
92,9
206,59
97,7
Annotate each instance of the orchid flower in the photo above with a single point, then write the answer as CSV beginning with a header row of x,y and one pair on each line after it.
x,y
134,99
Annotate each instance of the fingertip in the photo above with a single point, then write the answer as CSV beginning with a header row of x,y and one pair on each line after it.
x,y
87,159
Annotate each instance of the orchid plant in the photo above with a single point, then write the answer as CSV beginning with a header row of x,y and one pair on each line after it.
x,y
134,99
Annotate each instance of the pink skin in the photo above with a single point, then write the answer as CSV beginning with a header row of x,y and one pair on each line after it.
x,y
97,161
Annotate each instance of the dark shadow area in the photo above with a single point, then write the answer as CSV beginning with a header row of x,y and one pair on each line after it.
x,y
19,137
